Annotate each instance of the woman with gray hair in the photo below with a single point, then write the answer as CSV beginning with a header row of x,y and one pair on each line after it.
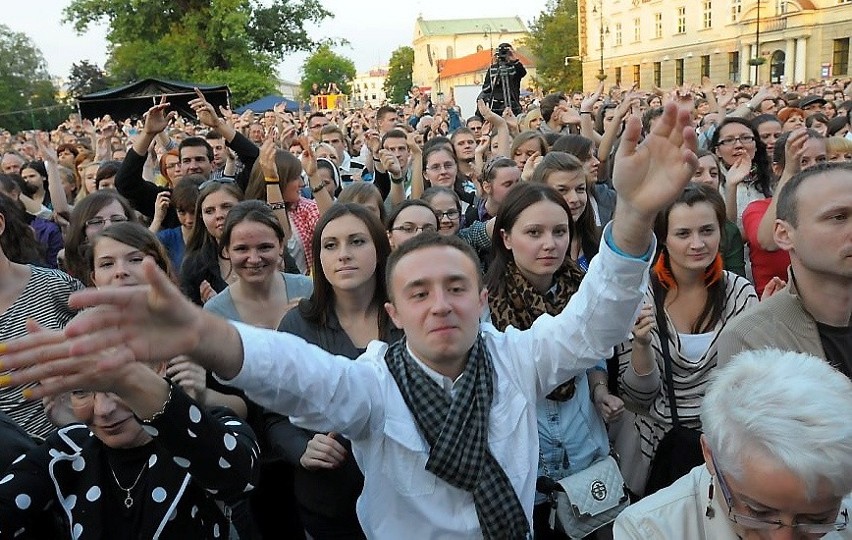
x,y
778,453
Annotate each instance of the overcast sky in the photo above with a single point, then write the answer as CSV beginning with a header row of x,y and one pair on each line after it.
x,y
372,29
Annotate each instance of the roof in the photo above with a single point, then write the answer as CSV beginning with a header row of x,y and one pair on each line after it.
x,y
136,98
451,27
478,61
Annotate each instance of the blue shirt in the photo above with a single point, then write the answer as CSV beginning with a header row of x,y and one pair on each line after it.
x,y
172,239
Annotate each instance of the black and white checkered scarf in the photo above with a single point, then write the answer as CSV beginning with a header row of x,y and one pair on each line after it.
x,y
456,428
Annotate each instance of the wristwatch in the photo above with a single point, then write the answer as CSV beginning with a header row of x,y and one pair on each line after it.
x,y
318,188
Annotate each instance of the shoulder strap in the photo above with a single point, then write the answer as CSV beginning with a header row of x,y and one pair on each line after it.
x,y
662,329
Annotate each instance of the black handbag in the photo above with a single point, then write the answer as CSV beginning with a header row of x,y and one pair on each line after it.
x,y
679,451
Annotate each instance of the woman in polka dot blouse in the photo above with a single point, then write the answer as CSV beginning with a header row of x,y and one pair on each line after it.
x,y
146,462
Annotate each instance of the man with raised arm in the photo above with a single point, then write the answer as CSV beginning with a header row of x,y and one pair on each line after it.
x,y
443,422
196,156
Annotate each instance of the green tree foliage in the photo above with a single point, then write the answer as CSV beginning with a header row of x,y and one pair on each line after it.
x,y
27,95
85,78
554,36
233,42
326,66
398,81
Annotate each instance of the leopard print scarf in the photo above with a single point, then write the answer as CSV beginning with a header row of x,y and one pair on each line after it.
x,y
517,303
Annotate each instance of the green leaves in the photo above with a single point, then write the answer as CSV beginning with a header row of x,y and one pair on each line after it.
x,y
398,80
324,67
553,37
205,41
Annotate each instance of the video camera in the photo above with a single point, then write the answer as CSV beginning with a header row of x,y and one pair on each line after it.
x,y
503,51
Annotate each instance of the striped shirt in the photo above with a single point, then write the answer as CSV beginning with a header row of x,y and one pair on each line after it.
x,y
44,299
690,376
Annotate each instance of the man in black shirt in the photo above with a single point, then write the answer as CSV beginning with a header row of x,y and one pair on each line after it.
x,y
813,313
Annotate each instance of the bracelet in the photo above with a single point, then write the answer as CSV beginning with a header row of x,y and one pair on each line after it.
x,y
270,180
397,180
163,409
318,188
377,160
586,112
280,205
595,386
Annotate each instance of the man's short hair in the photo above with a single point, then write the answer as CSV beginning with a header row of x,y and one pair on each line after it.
x,y
328,129
786,407
213,135
787,206
473,119
394,134
315,114
648,116
383,111
427,240
549,104
195,141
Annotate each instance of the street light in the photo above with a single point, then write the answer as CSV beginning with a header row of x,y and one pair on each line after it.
x,y
601,74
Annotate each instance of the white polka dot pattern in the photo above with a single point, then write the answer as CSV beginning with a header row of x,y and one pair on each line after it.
x,y
23,501
93,494
159,494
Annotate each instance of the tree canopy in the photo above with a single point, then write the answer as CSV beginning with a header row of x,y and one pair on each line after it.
x,y
85,78
553,37
27,95
233,42
398,80
326,66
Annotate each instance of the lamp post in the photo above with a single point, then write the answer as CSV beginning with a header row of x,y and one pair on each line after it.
x,y
758,60
601,74
487,34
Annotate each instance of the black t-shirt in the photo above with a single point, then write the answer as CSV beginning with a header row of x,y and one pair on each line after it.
x,y
837,344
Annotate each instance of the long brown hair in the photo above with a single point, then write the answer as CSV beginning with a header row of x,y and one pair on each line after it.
x,y
316,308
661,278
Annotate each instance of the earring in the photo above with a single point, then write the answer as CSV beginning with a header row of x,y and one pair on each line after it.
x,y
710,513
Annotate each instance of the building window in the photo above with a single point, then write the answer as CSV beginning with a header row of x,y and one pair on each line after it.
x,y
681,20
658,74
636,75
637,29
840,58
736,10
618,76
734,66
679,72
705,65
658,25
780,7
708,14
617,34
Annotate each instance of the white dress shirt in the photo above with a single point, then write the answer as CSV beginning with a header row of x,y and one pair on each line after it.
x,y
361,401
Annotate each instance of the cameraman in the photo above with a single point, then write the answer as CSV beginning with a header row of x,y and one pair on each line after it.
x,y
492,89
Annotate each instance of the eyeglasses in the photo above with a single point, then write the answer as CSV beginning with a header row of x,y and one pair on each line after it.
x,y
411,228
98,222
438,167
743,139
749,522
452,215
222,180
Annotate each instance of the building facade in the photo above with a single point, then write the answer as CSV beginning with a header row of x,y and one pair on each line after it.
x,y
437,41
368,87
665,43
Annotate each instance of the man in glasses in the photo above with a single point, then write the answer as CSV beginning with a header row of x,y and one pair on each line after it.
x,y
777,447
195,153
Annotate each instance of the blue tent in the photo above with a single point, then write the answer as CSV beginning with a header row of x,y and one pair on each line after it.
x,y
266,103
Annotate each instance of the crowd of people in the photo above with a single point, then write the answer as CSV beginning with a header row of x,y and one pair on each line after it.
x,y
406,322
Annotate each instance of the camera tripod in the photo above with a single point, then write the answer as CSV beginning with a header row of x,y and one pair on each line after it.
x,y
501,71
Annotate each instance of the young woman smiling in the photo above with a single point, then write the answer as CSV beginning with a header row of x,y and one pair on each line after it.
x,y
566,174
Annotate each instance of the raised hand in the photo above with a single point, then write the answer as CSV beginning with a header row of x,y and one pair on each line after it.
x,y
648,177
588,104
204,110
191,377
156,119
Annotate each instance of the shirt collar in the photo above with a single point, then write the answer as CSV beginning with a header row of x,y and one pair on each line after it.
x,y
446,383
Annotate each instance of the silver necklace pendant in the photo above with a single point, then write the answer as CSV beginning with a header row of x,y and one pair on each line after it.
x,y
128,501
